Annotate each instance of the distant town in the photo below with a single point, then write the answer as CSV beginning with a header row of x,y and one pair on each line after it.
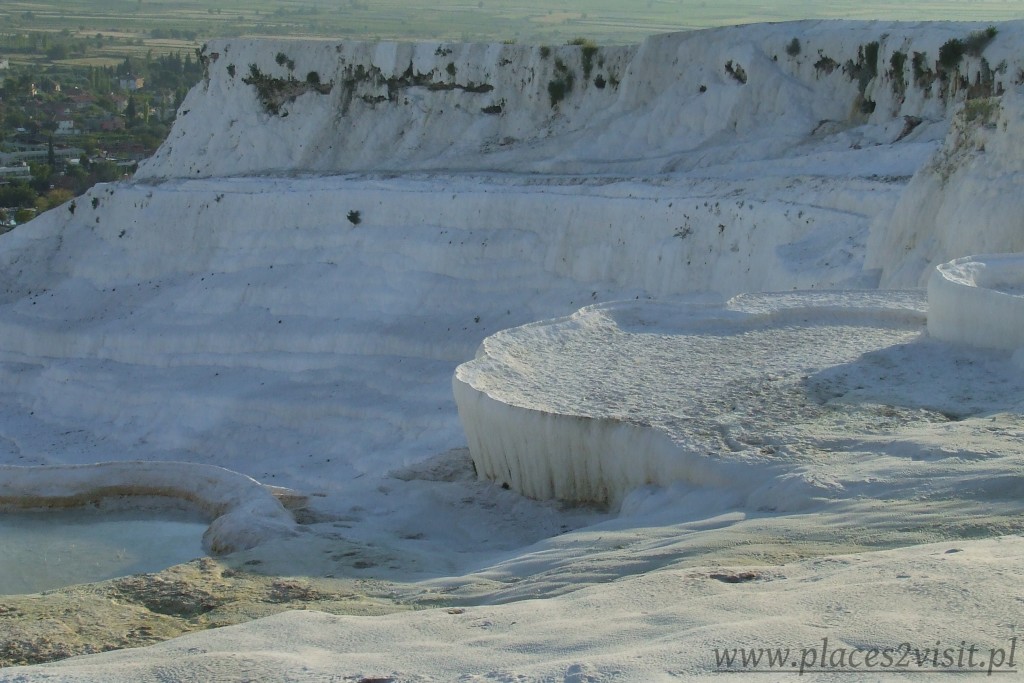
x,y
65,126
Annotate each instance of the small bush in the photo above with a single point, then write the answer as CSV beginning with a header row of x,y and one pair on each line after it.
x,y
793,49
451,69
736,71
274,92
355,217
871,58
977,41
826,64
231,70
923,76
588,59
559,88
897,64
545,51
589,50
984,109
950,54
865,68
283,60
313,78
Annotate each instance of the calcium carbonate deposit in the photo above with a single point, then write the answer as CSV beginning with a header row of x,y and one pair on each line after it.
x,y
702,400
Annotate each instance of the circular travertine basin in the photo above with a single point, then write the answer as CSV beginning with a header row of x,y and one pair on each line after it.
x,y
979,301
239,512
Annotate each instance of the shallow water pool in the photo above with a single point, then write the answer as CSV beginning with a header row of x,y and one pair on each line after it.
x,y
44,550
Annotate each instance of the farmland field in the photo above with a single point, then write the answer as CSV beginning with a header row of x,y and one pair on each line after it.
x,y
188,22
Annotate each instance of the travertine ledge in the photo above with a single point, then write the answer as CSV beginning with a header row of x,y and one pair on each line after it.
x,y
620,396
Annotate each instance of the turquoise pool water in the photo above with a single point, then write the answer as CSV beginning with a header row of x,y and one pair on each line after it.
x,y
44,550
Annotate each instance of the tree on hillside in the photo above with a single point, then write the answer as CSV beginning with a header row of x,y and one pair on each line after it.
x,y
40,177
57,52
131,111
17,195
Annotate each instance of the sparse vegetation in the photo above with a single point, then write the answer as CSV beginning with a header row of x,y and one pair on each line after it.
x,y
866,66
274,92
863,71
984,109
897,67
923,75
559,88
736,71
984,85
950,54
683,232
588,50
283,60
561,85
871,58
977,41
825,64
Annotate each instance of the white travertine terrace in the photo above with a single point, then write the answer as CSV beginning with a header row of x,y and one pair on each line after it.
x,y
620,396
978,300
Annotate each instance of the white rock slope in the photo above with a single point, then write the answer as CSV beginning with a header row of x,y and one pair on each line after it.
x,y
287,287
677,101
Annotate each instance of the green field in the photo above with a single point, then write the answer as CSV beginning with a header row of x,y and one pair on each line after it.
x,y
126,23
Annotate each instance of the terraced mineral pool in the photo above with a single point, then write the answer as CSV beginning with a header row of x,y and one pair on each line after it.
x,y
45,550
